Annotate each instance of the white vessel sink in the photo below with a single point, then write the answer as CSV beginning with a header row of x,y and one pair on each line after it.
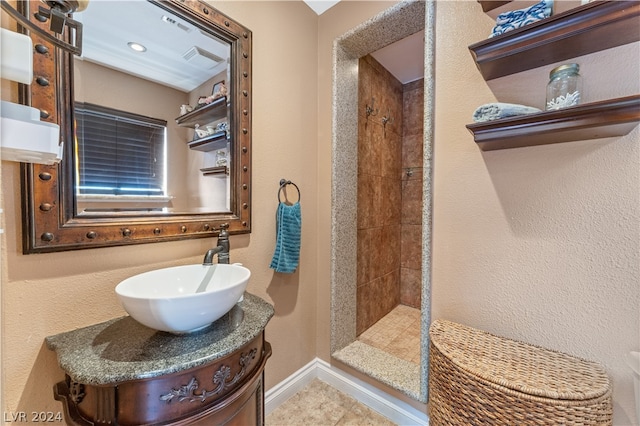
x,y
183,299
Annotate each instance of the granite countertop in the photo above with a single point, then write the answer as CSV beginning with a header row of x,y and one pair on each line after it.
x,y
122,349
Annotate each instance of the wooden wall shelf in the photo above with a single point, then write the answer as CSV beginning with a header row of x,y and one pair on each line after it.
x,y
616,117
489,5
214,111
210,143
585,29
215,171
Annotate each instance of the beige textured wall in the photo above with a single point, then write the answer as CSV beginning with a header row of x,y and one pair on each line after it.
x,y
539,244
50,293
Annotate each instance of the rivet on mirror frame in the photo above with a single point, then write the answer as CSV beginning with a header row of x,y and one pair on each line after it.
x,y
205,10
157,231
245,112
245,168
45,176
206,227
92,235
126,232
245,206
42,81
245,186
40,17
227,23
245,55
45,207
245,93
183,229
245,131
245,34
47,236
245,74
41,48
244,149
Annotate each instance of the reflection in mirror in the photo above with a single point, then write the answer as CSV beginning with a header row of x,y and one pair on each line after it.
x,y
129,86
156,120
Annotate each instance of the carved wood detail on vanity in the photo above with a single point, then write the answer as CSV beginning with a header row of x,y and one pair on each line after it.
x,y
191,392
226,391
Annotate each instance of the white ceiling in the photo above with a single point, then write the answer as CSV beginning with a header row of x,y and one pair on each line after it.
x,y
178,54
404,58
107,31
320,6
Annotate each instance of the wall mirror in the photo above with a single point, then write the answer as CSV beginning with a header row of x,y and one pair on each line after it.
x,y
155,117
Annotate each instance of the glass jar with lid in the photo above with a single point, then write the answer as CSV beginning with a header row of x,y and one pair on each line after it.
x,y
564,88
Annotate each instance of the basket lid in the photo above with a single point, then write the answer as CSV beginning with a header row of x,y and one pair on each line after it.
x,y
519,366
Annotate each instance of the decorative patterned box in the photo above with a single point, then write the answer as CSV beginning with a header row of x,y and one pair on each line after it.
x,y
478,378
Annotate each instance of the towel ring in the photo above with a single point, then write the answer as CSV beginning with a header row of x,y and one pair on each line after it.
x,y
283,184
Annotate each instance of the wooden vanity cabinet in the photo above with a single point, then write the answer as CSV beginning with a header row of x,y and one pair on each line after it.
x,y
227,391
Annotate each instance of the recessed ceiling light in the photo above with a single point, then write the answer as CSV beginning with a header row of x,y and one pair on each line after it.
x,y
137,46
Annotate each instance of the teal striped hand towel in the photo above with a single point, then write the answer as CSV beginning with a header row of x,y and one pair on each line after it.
x,y
289,227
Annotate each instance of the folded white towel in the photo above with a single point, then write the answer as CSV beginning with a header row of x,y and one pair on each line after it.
x,y
497,110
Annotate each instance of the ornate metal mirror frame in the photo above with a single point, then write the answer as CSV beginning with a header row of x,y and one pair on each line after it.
x,y
50,222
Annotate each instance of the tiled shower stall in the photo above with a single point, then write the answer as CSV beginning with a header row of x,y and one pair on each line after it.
x,y
390,135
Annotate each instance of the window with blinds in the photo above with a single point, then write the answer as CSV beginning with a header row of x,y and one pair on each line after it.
x,y
119,153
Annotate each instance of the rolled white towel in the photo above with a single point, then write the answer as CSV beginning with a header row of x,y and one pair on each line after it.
x,y
497,110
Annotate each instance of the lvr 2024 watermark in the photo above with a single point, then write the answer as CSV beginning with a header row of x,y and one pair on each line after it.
x,y
32,417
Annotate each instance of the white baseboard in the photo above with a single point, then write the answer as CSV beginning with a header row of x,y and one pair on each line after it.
x,y
392,408
284,390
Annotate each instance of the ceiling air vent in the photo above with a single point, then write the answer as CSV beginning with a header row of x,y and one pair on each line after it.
x,y
201,58
172,21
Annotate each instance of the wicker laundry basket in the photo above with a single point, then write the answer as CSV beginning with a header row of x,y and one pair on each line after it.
x,y
476,378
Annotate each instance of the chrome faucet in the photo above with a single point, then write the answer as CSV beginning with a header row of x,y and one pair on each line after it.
x,y
222,250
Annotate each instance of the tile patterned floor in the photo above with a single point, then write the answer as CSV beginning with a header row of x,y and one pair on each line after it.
x,y
397,333
319,404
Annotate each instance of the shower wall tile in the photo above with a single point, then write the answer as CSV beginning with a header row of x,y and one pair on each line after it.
x,y
411,213
379,193
413,173
389,250
411,202
387,92
391,201
364,307
390,292
390,153
413,109
411,251
376,299
412,150
369,148
365,94
369,200
384,294
410,290
367,238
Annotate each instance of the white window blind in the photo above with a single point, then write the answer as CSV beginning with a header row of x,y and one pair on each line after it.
x,y
119,153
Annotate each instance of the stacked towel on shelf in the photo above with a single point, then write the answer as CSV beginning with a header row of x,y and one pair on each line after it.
x,y
497,110
513,19
288,232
